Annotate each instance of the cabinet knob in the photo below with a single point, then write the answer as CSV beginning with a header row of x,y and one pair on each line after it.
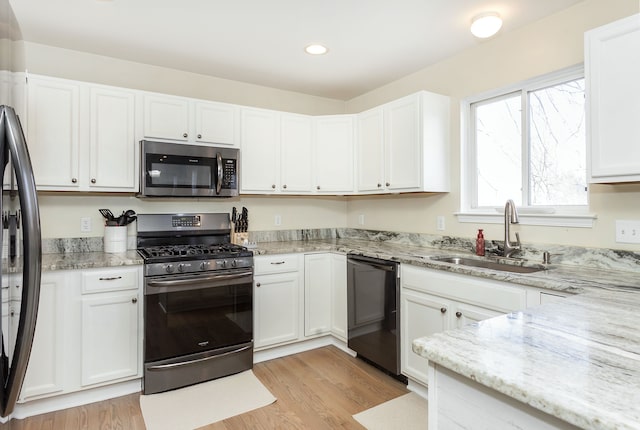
x,y
443,310
134,300
458,314
185,135
93,180
284,186
258,284
379,185
318,187
199,136
387,184
74,180
273,186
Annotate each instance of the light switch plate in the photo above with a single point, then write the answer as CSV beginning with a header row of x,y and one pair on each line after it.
x,y
85,224
627,231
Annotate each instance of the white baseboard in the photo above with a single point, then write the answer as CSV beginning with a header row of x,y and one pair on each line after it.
x,y
418,388
300,346
78,398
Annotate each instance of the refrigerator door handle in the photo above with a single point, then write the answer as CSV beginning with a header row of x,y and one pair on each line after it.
x,y
32,255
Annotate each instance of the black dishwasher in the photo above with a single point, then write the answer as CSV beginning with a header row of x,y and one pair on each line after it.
x,y
373,300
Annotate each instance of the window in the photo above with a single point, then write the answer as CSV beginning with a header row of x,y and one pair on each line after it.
x,y
528,143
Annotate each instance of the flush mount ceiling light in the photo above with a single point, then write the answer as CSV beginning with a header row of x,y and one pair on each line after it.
x,y
316,49
486,24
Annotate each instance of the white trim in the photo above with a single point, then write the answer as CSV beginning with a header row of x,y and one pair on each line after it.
x,y
548,220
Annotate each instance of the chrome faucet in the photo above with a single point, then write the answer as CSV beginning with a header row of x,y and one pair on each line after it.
x,y
510,217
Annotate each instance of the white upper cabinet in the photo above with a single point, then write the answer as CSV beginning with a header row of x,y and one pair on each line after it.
x,y
403,146
259,143
613,100
333,154
188,120
166,117
81,137
296,144
53,132
113,154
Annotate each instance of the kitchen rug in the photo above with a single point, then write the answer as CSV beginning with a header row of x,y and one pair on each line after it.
x,y
407,412
198,405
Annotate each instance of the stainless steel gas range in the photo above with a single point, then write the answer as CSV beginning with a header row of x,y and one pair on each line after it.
x,y
198,300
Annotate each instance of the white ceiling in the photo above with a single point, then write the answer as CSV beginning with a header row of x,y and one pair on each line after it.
x,y
371,42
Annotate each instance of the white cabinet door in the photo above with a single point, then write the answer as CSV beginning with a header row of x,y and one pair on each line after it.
x,y
339,296
403,152
53,129
166,117
259,154
465,314
613,100
334,148
113,149
109,336
216,123
295,153
276,309
421,315
46,368
370,151
317,294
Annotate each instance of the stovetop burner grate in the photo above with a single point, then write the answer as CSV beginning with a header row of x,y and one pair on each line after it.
x,y
192,251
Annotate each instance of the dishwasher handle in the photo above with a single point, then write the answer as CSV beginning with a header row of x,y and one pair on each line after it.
x,y
376,264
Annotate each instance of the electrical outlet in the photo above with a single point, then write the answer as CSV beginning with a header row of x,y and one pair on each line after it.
x,y
627,231
85,224
440,222
278,220
361,219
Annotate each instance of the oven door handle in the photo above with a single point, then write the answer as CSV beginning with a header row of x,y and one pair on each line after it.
x,y
197,280
199,360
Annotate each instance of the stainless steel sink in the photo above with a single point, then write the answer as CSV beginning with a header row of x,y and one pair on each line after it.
x,y
487,264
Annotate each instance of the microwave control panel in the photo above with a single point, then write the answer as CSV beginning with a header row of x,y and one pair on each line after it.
x,y
229,173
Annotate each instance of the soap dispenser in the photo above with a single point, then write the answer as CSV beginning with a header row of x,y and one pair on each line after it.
x,y
480,243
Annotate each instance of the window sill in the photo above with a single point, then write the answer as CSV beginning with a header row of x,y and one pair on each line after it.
x,y
585,220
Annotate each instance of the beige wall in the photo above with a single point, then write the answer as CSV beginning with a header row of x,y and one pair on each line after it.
x,y
544,46
551,44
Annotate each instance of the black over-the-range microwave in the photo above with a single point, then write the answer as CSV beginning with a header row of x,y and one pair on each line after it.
x,y
181,170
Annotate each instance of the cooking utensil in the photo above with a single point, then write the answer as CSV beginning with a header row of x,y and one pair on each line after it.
x,y
107,214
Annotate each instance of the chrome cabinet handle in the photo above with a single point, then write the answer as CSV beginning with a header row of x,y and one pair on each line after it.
x,y
379,185
199,136
185,135
74,180
277,262
93,180
273,186
388,184
284,186
258,284
134,300
458,314
112,278
443,310
318,187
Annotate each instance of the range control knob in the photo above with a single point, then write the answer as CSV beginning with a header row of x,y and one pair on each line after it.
x,y
180,267
223,263
169,268
204,265
234,263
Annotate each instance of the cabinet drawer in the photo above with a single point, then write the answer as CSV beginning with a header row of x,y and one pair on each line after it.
x,y
494,295
276,263
109,280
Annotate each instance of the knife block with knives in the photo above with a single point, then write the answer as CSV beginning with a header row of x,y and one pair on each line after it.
x,y
239,226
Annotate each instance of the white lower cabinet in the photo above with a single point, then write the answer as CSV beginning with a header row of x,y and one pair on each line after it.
x,y
339,296
277,297
110,326
433,301
47,364
325,295
88,331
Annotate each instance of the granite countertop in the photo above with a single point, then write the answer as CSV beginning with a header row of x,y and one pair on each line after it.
x,y
578,360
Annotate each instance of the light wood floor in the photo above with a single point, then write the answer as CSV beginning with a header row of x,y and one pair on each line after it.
x,y
319,389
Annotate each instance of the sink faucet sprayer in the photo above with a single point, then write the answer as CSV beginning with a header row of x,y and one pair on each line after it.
x,y
510,217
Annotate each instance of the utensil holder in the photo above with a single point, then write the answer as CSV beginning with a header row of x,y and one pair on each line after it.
x,y
115,239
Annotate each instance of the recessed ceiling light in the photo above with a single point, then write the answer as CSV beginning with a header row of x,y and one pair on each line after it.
x,y
486,24
316,49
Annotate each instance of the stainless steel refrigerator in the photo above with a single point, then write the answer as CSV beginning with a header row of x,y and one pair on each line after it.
x,y
21,253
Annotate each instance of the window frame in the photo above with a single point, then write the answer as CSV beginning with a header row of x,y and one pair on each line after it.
x,y
564,216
